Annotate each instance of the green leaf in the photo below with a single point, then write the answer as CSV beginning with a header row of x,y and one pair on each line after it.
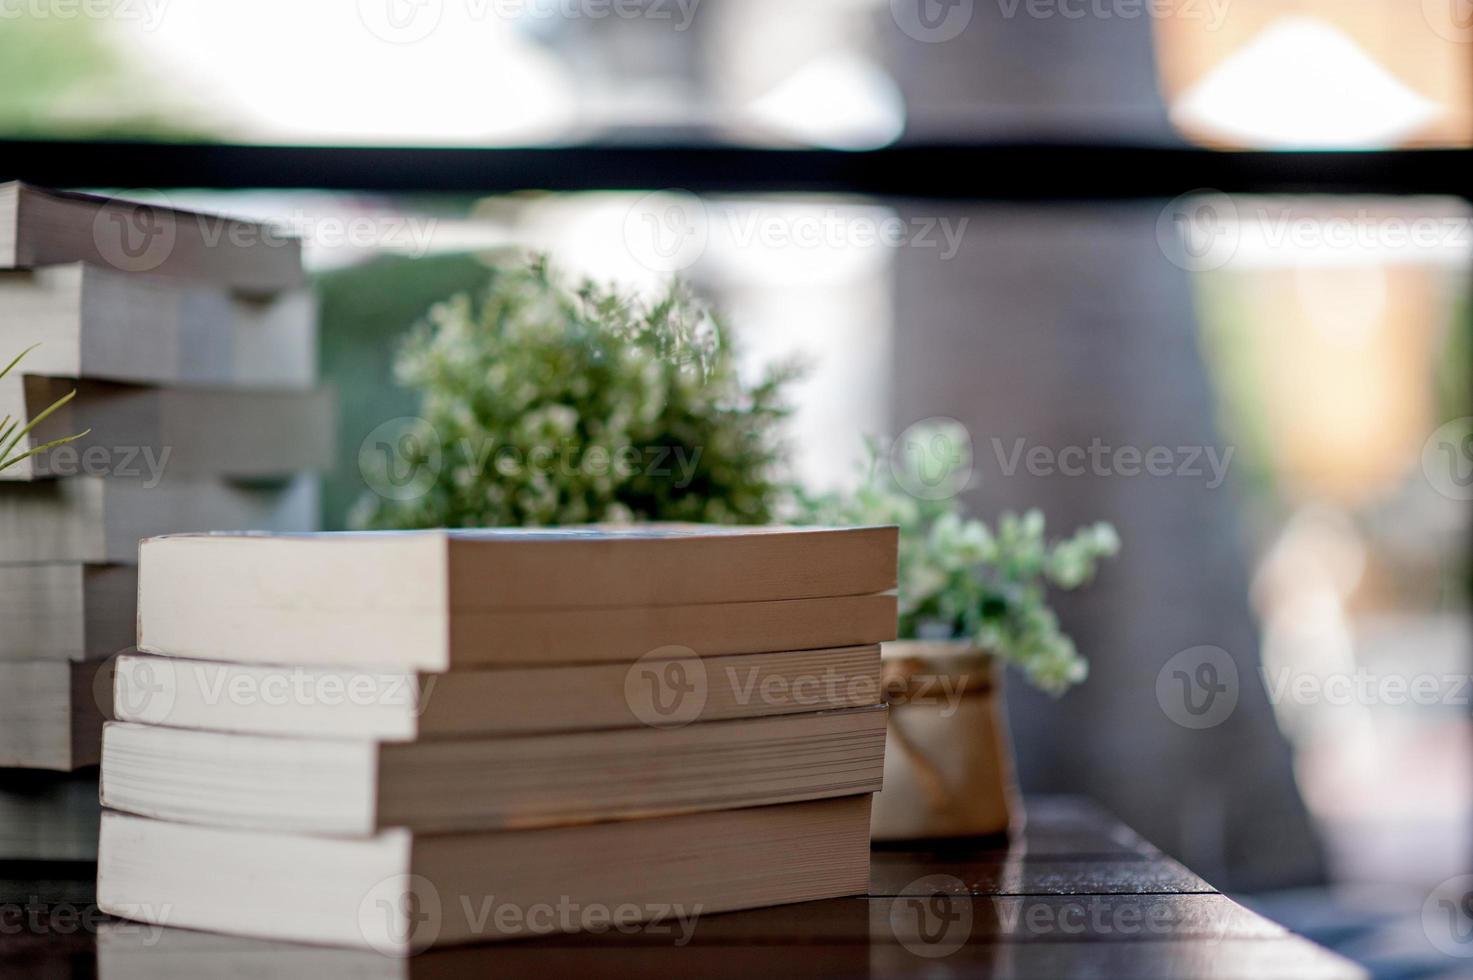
x,y
10,437
6,464
17,360
9,446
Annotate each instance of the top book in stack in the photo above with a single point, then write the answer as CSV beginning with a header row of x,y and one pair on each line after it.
x,y
448,599
44,227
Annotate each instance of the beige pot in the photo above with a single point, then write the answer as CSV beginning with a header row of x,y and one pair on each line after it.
x,y
948,760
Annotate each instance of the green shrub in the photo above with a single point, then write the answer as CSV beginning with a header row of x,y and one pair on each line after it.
x,y
548,405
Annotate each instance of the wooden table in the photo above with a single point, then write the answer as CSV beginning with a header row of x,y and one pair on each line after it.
x,y
1079,894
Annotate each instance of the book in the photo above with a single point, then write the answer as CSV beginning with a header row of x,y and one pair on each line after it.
x,y
398,706
88,321
398,892
57,611
431,600
52,712
519,637
47,816
619,634
100,520
41,227
361,786
143,433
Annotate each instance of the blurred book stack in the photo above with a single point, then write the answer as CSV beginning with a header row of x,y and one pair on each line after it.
x,y
184,346
407,739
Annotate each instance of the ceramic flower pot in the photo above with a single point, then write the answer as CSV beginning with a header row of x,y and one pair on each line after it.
x,y
948,759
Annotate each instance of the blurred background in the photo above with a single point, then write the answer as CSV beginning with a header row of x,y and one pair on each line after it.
x,y
1268,395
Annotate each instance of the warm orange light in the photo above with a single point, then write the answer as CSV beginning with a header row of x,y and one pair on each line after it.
x,y
1371,64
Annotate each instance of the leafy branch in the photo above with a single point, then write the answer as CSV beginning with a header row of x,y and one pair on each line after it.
x,y
11,432
963,579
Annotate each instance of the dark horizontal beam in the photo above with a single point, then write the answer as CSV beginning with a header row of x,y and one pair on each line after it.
x,y
962,172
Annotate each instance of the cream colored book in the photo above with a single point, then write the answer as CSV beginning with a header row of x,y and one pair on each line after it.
x,y
51,714
361,786
55,611
398,892
436,600
88,321
143,433
101,520
399,706
620,634
46,816
40,227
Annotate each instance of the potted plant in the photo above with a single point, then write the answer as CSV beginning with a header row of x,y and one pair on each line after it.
x,y
972,597
543,403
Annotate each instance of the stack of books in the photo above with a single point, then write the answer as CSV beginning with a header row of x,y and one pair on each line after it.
x,y
190,343
404,739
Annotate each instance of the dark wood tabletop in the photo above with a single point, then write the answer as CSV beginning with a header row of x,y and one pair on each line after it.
x,y
1076,894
